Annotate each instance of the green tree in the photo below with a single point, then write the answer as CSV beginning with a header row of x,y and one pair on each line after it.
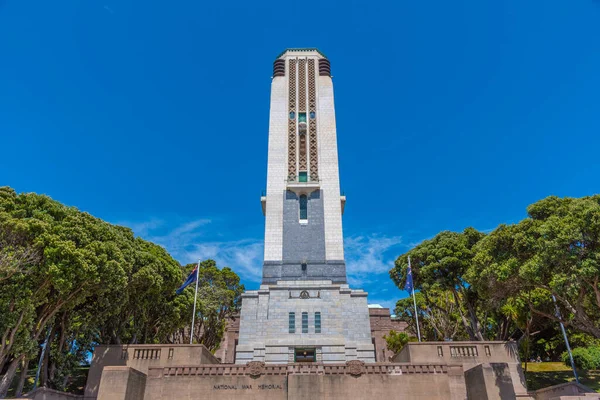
x,y
439,318
79,281
555,251
444,264
397,340
219,297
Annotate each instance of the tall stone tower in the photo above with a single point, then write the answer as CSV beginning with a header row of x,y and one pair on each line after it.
x,y
304,309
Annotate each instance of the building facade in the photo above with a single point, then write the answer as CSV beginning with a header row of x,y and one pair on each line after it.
x,y
304,309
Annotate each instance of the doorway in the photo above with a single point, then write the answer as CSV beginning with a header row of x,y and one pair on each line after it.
x,y
304,355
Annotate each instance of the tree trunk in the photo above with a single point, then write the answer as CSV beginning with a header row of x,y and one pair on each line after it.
x,y
46,359
60,347
23,377
10,374
468,327
474,321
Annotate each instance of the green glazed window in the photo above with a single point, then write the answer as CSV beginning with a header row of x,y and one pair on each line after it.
x,y
303,176
292,322
302,117
304,322
317,322
303,207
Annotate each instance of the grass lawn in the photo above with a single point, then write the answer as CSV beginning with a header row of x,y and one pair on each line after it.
x,y
544,374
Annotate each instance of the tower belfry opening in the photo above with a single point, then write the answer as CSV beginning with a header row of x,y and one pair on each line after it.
x,y
304,310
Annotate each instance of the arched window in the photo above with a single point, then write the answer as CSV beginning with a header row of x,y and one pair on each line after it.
x,y
303,207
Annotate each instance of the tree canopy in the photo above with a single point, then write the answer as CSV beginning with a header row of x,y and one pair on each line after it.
x,y
80,281
477,286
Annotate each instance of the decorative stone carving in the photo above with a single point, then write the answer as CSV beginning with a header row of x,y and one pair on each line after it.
x,y
255,368
312,108
305,294
355,367
292,121
302,84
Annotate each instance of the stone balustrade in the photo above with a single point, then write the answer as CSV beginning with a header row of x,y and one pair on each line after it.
x,y
299,369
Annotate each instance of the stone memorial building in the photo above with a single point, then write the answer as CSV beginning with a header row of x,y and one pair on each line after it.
x,y
305,334
304,308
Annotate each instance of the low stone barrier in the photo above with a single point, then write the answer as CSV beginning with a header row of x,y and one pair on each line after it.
x,y
257,368
351,380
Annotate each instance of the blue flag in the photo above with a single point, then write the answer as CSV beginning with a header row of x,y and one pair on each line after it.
x,y
190,279
409,281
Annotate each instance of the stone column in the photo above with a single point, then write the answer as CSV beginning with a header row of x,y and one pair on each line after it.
x,y
122,383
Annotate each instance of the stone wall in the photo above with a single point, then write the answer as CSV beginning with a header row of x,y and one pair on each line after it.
x,y
451,370
143,356
122,383
352,380
489,382
467,354
303,242
381,324
226,350
264,329
566,390
380,321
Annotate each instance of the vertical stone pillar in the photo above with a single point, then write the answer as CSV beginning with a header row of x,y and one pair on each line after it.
x,y
456,381
489,382
122,383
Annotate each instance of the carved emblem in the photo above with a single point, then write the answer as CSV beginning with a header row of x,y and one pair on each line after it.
x,y
255,368
355,367
304,295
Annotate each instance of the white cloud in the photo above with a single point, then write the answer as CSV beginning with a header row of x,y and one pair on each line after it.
x,y
178,241
142,228
186,244
368,256
243,256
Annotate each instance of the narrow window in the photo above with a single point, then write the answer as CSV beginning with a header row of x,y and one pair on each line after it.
x,y
302,117
171,353
487,351
304,322
440,351
292,322
317,322
303,208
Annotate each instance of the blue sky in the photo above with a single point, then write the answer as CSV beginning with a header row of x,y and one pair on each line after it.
x,y
154,114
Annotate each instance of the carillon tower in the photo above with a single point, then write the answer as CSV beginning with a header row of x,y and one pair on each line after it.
x,y
303,206
304,309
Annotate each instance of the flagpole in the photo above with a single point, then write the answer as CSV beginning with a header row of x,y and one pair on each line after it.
x,y
562,327
195,297
415,303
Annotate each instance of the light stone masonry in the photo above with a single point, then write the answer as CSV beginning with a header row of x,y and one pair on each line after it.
x,y
276,170
304,270
328,155
345,330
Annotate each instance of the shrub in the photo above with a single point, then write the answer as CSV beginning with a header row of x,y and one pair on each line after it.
x,y
584,357
397,340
